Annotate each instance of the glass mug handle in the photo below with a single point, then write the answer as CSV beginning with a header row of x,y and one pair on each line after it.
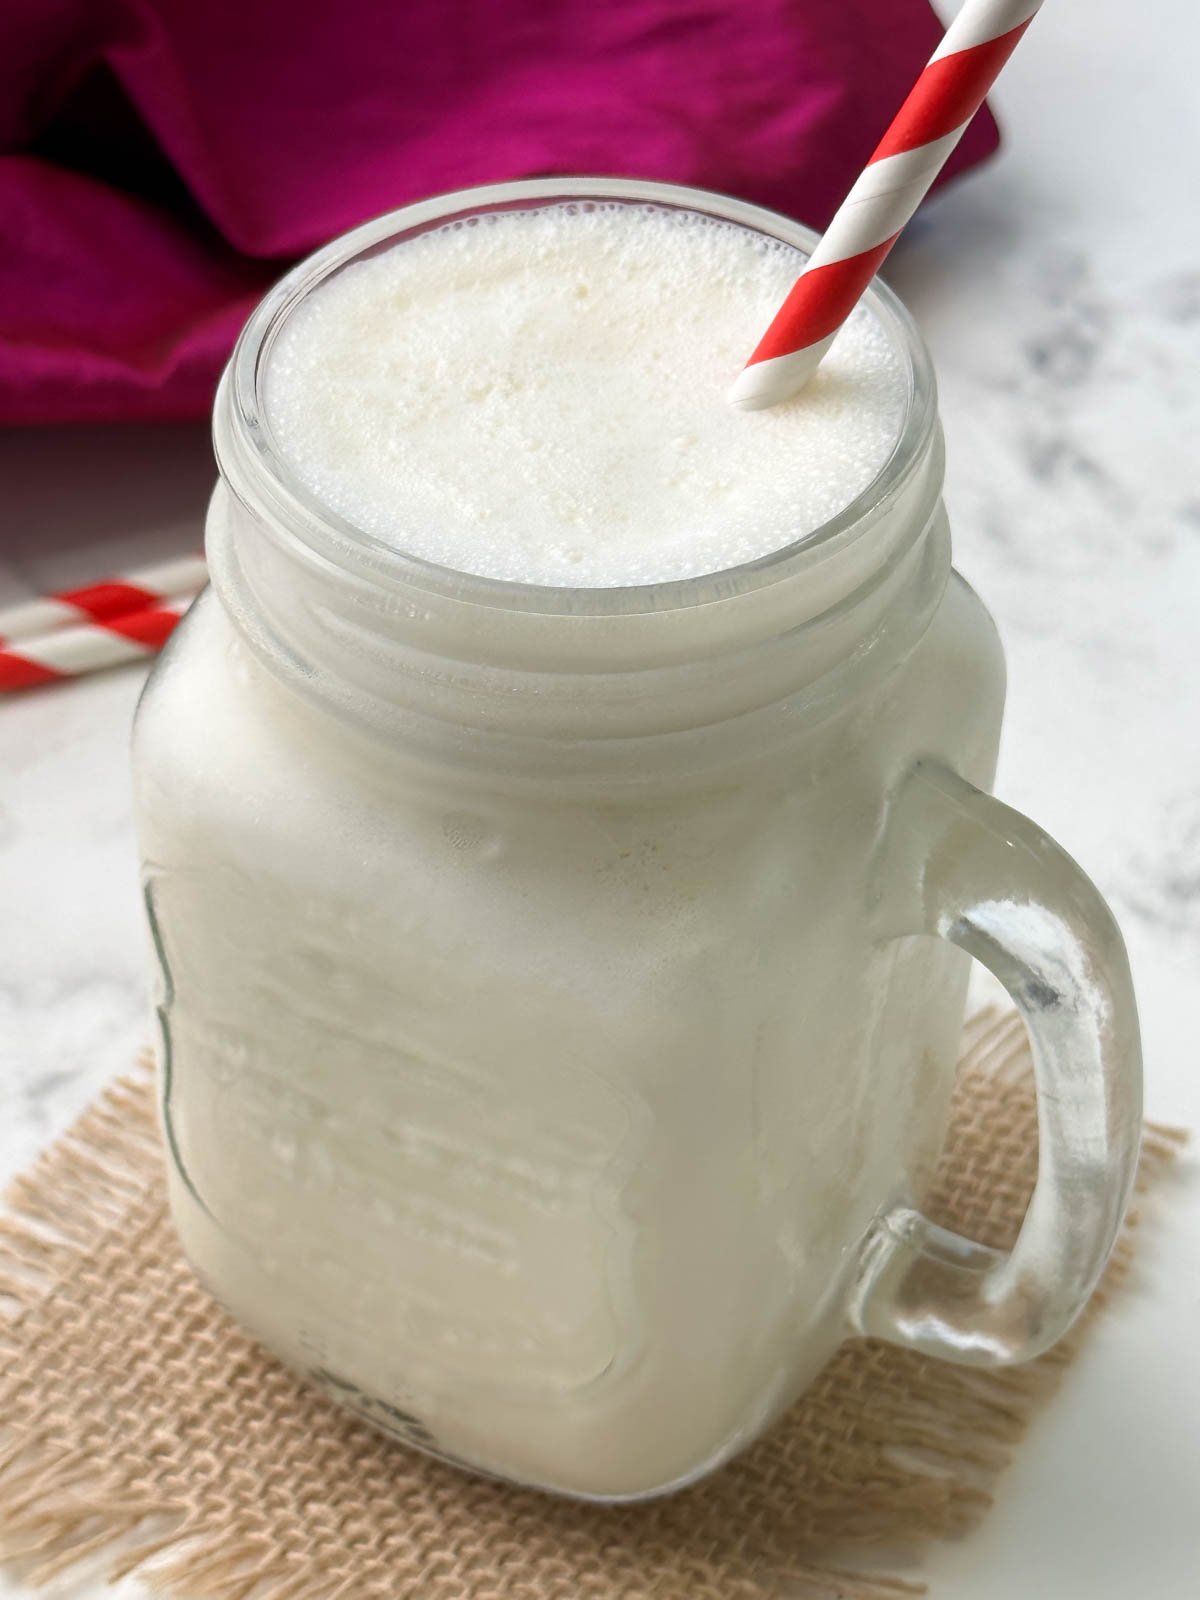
x,y
961,865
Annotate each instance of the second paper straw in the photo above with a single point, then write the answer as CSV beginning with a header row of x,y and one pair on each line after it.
x,y
97,602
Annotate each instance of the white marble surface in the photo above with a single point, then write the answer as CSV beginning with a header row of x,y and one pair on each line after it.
x,y
1060,290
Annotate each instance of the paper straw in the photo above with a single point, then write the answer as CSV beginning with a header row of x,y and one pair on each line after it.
x,y
72,652
95,602
870,219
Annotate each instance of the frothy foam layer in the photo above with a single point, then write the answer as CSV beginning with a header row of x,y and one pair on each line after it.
x,y
541,397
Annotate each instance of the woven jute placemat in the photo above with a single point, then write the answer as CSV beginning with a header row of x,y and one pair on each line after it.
x,y
139,1422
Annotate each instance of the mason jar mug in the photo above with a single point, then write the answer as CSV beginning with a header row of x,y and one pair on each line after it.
x,y
560,988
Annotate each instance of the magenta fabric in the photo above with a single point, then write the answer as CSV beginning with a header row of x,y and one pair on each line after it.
x,y
162,160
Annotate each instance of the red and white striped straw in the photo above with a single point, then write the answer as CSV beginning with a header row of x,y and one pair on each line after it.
x,y
96,602
891,186
72,652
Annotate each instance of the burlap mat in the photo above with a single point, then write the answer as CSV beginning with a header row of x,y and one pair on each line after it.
x,y
136,1416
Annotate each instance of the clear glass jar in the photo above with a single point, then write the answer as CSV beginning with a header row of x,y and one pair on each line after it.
x,y
548,1069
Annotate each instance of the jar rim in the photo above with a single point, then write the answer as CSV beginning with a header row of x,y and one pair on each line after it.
x,y
268,478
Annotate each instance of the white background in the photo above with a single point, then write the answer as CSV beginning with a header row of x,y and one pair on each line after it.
x,y
1060,290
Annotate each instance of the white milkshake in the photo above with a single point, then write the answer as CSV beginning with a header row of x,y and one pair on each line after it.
x,y
533,1067
542,398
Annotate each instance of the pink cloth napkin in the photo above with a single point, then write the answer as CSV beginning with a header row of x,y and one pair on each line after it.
x,y
162,160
